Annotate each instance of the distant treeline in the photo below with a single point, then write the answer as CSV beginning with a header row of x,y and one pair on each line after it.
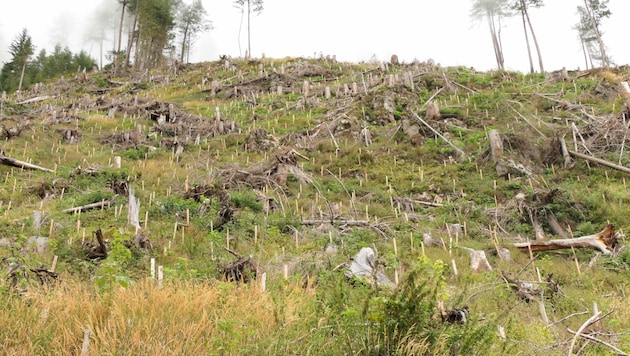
x,y
45,66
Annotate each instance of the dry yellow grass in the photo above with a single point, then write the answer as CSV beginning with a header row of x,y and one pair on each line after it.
x,y
182,318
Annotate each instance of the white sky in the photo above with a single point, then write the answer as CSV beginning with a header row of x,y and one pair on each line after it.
x,y
353,30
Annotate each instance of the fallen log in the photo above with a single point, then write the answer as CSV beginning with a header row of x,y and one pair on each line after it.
x,y
7,161
36,99
600,161
604,241
101,204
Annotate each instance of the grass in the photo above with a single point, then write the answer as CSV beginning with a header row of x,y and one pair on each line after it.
x,y
316,310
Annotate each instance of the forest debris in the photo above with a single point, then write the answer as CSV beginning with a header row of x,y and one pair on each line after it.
x,y
346,223
204,194
241,270
271,173
44,275
604,241
409,204
429,241
96,251
141,242
461,154
455,315
9,132
528,291
365,266
259,140
70,136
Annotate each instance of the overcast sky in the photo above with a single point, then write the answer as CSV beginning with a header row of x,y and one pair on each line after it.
x,y
353,30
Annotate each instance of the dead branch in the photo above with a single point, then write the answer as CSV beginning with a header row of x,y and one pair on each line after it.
x,y
592,338
525,290
460,153
578,333
604,241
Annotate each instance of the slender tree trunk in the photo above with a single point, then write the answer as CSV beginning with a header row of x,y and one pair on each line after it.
x,y
249,41
602,48
531,29
132,35
584,51
122,18
181,59
120,27
529,50
22,74
498,54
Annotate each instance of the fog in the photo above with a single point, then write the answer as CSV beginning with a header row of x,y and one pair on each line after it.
x,y
353,30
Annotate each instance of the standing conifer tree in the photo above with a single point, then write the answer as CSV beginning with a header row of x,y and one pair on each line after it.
x,y
21,49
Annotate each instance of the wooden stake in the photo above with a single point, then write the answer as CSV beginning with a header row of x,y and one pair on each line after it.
x,y
54,264
263,282
255,234
85,347
160,274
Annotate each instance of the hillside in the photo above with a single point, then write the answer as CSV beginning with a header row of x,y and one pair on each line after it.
x,y
277,172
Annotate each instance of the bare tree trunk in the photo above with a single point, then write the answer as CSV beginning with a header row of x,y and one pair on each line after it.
x,y
122,18
22,74
531,29
249,41
120,27
498,52
602,48
132,35
529,50
586,55
181,59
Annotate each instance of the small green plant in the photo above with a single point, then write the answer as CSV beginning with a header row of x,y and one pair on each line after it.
x,y
111,272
